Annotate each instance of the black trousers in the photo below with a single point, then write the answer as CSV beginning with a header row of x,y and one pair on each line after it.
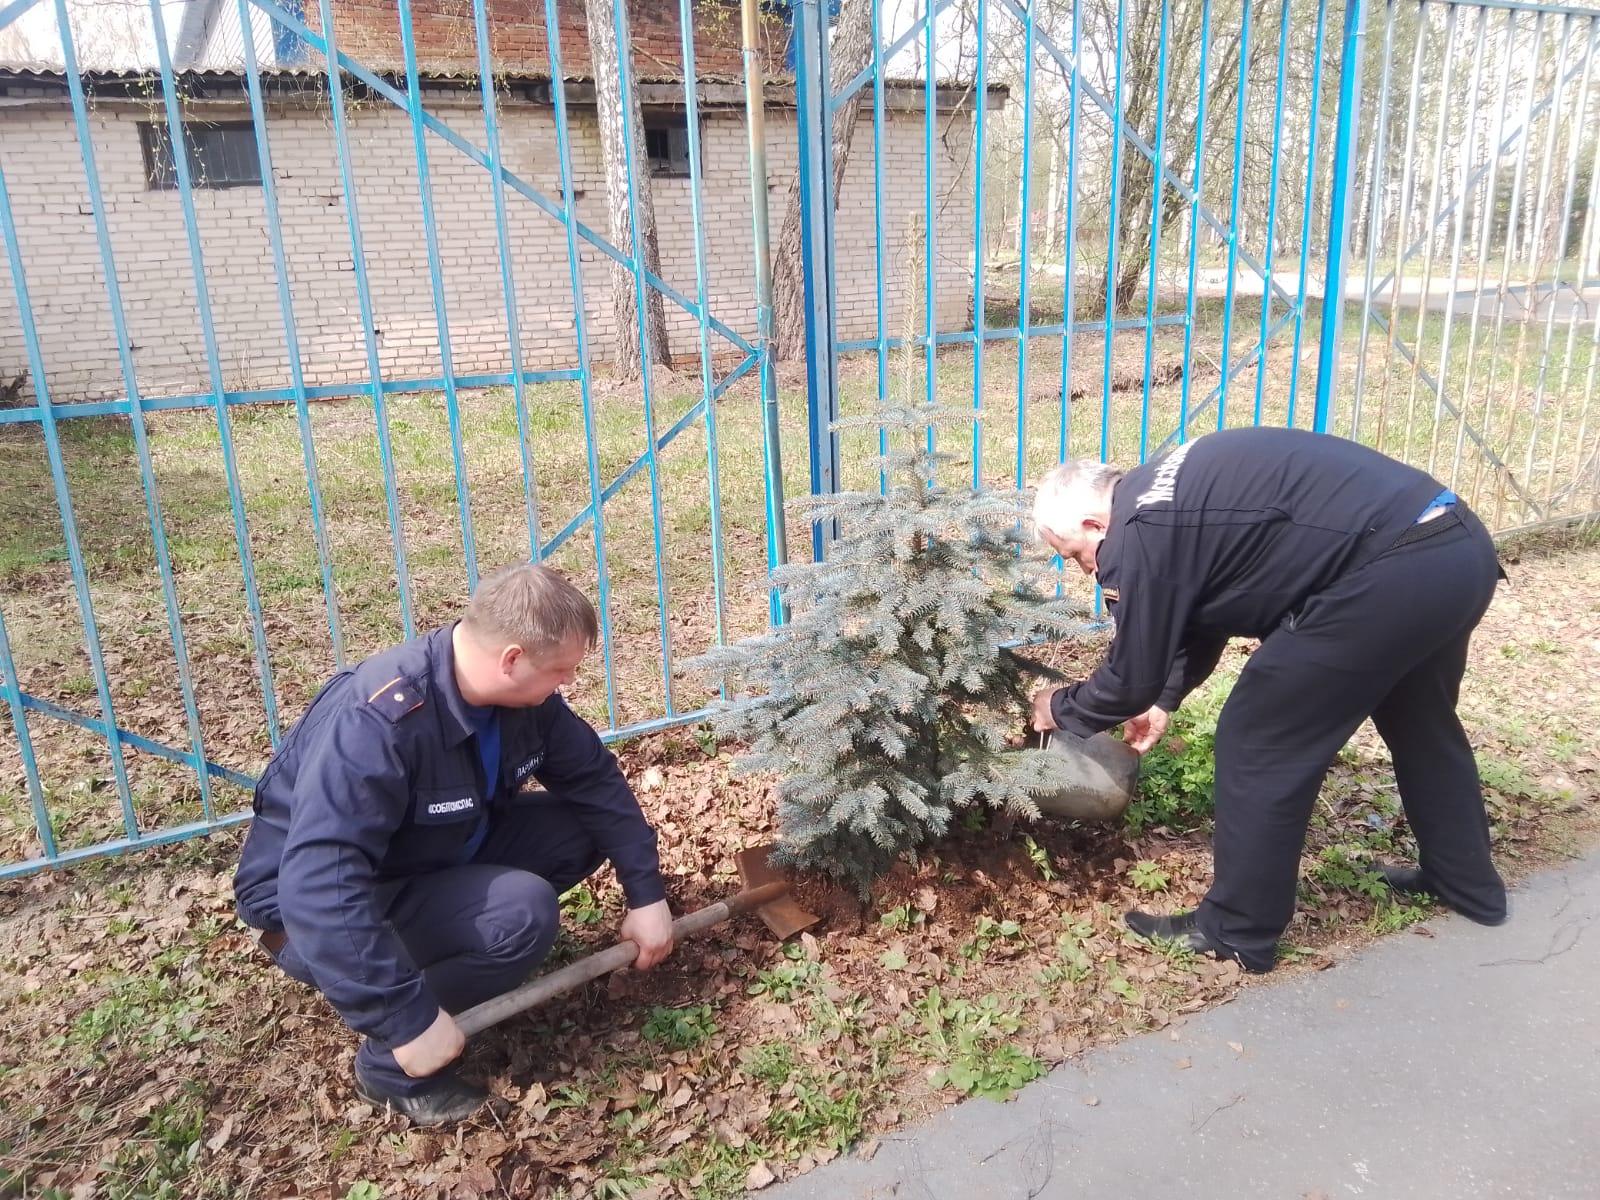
x,y
477,930
1387,640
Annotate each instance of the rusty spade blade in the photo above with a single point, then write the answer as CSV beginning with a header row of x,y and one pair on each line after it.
x,y
782,914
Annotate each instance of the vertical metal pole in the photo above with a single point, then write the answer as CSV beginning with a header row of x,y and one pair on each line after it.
x,y
1194,222
12,687
755,107
980,146
1307,200
1158,171
1455,246
230,465
1485,228
1069,290
641,300
816,202
880,295
1111,235
1025,265
358,258
291,334
1428,211
569,221
1379,172
930,109
1233,215
1344,157
1272,214
691,98
441,314
508,283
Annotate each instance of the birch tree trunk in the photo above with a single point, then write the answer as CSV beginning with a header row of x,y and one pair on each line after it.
x,y
613,148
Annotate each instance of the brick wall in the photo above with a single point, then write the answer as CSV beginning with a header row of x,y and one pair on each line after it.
x,y
44,173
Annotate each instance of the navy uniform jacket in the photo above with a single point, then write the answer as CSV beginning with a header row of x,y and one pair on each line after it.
x,y
1226,536
381,779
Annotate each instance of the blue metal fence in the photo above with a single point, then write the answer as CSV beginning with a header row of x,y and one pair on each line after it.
x,y
1124,214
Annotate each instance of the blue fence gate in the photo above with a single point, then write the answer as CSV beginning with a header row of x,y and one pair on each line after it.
x,y
316,312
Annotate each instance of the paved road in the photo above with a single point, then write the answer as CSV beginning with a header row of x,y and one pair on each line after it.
x,y
1460,1066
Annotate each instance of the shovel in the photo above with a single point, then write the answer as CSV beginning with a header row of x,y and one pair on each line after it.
x,y
765,893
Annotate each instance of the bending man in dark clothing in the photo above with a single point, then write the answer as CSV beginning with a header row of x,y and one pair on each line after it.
x,y
1363,578
402,861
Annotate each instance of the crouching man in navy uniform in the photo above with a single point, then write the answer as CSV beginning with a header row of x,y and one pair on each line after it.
x,y
1364,580
405,859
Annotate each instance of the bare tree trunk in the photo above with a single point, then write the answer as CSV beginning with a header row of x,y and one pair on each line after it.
x,y
608,104
850,52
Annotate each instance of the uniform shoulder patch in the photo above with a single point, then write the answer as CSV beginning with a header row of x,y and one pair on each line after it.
x,y
400,696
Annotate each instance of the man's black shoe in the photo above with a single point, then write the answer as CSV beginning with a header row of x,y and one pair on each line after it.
x,y
447,1101
1410,881
1179,928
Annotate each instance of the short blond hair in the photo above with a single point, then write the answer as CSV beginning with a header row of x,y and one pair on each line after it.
x,y
533,606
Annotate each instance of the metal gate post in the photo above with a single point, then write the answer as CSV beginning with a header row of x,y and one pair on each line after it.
x,y
1344,184
814,102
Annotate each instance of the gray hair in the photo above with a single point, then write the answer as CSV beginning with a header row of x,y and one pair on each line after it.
x,y
532,606
1058,504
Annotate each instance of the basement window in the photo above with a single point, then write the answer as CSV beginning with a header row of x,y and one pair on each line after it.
x,y
666,142
221,154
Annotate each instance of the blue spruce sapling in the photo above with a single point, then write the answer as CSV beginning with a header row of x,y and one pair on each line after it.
x,y
884,702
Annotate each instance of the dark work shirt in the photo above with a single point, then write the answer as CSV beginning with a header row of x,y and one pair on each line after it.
x,y
383,778
1224,537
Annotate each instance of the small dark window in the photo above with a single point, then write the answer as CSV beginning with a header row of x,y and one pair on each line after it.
x,y
666,142
222,154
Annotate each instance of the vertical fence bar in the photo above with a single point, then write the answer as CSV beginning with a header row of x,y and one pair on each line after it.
x,y
980,146
1194,222
930,103
1024,247
755,102
1378,175
108,265
1158,177
702,295
69,524
1111,235
508,283
816,202
208,336
12,686
1431,207
880,296
1584,248
1540,210
569,220
1561,253
1518,178
1485,228
641,301
1344,157
1307,201
1455,244
1404,217
1069,268
1230,287
1272,214
441,313
291,333
358,258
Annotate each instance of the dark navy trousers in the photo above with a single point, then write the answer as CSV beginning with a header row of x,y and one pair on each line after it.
x,y
1387,640
477,930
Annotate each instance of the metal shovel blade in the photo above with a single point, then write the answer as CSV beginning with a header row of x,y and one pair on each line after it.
x,y
782,914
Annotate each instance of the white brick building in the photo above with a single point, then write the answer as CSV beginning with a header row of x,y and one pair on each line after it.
x,y
51,204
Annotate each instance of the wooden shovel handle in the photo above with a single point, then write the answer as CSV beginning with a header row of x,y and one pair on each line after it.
x,y
546,987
